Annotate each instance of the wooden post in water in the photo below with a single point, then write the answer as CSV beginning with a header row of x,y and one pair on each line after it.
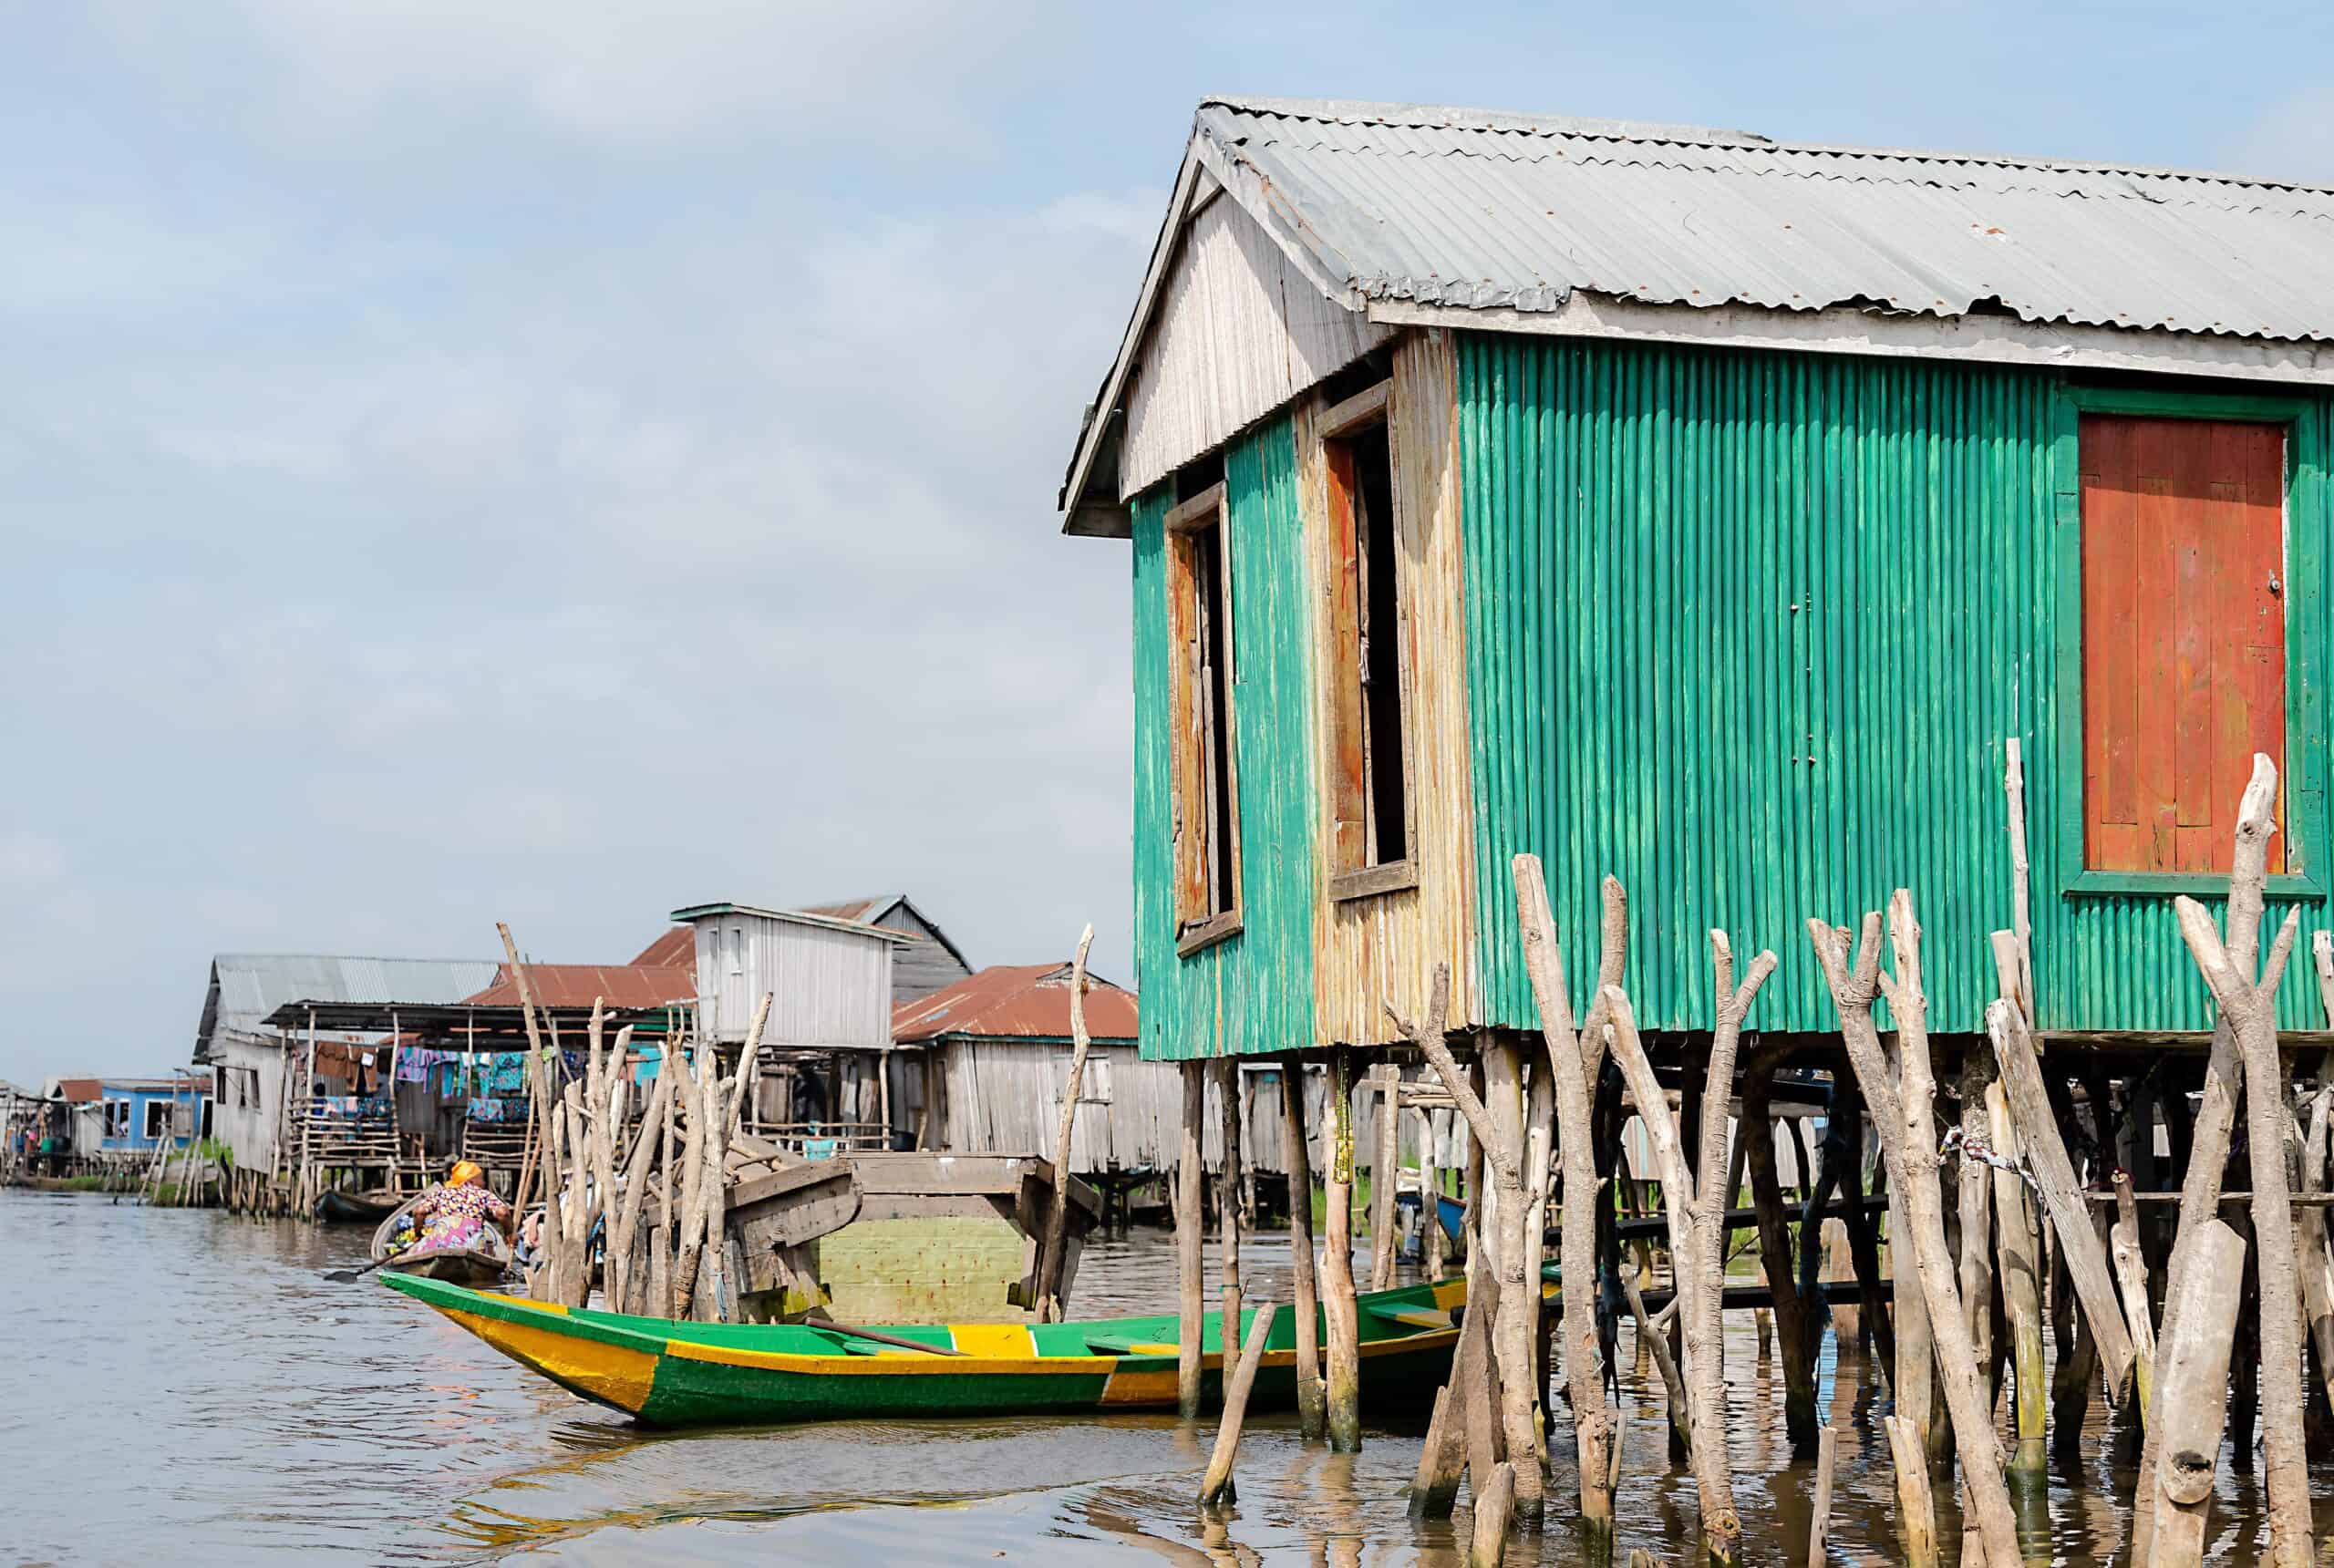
x,y
1385,1174
1574,1084
1497,1118
1341,1315
1216,1487
1227,1201
1791,1311
1494,1504
1915,1503
2018,1252
2250,1005
1904,1115
1827,1451
1190,1267
1296,1160
1049,1303
1692,1205
2192,1397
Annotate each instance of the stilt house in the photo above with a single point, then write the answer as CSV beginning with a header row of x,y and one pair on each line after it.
x,y
1707,512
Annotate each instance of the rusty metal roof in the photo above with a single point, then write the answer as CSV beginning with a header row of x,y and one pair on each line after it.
x,y
1016,1001
1477,209
629,985
80,1090
675,947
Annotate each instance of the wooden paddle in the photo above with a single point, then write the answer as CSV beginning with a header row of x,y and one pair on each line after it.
x,y
348,1277
821,1320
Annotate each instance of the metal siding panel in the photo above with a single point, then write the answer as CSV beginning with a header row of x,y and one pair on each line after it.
x,y
1690,571
1252,991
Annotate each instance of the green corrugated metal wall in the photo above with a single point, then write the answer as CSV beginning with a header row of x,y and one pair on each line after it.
x,y
1747,630
1253,991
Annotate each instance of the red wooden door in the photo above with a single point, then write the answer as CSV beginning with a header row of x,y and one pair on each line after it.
x,y
2183,637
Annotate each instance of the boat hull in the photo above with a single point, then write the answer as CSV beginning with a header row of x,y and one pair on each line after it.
x,y
335,1207
675,1374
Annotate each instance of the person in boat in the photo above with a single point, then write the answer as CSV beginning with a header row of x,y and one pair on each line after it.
x,y
458,1214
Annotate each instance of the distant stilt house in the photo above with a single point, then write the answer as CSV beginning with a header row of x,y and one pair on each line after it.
x,y
137,1116
980,1065
829,1033
253,1059
921,963
1727,518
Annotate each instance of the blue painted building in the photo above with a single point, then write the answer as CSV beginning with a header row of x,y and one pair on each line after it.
x,y
135,1114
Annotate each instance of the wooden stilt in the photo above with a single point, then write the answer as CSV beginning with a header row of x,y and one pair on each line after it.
x,y
1216,1487
1827,1450
1573,1081
1227,1204
1916,1504
2193,1397
2249,1004
1791,1312
2018,1252
1385,1174
1049,1302
1903,1114
1495,1503
1339,1312
1296,1159
1190,1283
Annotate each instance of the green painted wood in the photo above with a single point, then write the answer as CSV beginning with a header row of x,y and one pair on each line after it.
x,y
1253,991
688,1392
1748,630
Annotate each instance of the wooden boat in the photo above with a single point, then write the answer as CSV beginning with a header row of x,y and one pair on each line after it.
x,y
484,1264
335,1206
676,1374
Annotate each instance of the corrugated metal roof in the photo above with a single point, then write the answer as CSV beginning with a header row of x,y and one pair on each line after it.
x,y
1462,208
579,984
677,945
245,988
1016,1001
787,916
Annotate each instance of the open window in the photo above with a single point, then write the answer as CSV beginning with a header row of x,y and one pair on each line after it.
x,y
2183,637
1373,828
1202,679
157,1119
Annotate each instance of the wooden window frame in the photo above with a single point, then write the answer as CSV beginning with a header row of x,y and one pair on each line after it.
x,y
1348,880
2306,825
1197,928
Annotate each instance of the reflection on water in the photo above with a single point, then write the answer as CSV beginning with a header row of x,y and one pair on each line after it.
x,y
187,1385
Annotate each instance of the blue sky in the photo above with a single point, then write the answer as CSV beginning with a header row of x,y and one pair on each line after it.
x,y
556,463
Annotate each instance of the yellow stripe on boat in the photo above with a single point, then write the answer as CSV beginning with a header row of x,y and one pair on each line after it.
x,y
993,1341
611,1372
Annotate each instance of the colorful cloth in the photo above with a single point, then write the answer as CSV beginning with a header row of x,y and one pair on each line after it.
x,y
495,1109
453,1218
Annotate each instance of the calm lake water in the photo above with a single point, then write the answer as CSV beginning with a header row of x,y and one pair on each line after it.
x,y
187,1386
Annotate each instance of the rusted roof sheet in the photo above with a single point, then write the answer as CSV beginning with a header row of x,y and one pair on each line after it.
x,y
578,985
80,1090
677,948
1016,1001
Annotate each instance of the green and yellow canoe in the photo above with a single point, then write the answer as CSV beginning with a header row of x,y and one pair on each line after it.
x,y
676,1374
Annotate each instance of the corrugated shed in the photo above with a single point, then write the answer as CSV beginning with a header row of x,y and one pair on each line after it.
x,y
928,961
245,988
1381,951
1253,991
1747,630
1459,207
829,981
1016,1001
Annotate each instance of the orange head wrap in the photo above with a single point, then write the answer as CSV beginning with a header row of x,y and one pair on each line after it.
x,y
464,1173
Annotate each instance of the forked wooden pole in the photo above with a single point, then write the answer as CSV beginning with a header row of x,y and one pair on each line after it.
x,y
1903,1114
2250,1005
1576,1246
